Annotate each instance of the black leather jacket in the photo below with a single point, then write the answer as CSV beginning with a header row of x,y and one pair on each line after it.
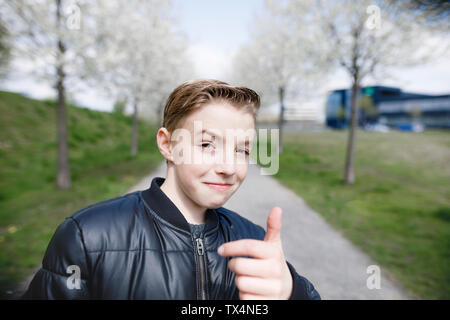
x,y
139,246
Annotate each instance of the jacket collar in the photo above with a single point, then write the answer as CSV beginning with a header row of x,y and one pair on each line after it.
x,y
160,203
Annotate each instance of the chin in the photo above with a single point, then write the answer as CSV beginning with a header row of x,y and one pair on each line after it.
x,y
215,204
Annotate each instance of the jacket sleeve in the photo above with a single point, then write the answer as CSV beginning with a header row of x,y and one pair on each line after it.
x,y
64,271
302,289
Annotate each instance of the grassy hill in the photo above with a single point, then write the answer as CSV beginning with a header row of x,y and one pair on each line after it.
x,y
31,207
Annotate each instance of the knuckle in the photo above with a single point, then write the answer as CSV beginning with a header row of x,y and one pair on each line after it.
x,y
247,246
240,282
277,253
232,264
277,289
237,264
246,296
277,270
280,289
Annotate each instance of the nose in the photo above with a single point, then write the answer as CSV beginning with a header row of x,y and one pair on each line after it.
x,y
225,168
224,165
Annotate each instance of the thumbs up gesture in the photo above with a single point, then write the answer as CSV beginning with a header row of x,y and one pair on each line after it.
x,y
267,276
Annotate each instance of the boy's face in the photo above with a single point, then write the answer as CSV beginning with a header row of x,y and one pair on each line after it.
x,y
218,137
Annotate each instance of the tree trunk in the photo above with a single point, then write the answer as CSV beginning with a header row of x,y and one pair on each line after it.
x,y
349,177
134,138
281,118
63,179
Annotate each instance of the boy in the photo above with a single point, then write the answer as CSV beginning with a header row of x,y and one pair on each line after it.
x,y
175,240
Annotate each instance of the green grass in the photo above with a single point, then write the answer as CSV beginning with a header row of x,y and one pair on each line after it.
x,y
398,210
31,207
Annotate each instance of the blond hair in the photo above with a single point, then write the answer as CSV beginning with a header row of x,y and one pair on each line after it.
x,y
194,94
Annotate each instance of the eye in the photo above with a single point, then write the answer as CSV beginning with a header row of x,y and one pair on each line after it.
x,y
244,151
205,145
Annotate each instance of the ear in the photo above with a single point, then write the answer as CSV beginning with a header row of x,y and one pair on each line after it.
x,y
163,140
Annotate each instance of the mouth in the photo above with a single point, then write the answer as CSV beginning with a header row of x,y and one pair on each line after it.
x,y
218,186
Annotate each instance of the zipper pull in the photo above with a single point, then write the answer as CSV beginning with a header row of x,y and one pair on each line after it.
x,y
200,249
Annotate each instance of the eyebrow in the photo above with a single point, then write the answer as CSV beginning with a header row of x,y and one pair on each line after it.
x,y
216,134
210,132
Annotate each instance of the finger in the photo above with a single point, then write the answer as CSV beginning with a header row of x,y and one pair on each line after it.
x,y
255,268
273,225
247,247
258,286
250,296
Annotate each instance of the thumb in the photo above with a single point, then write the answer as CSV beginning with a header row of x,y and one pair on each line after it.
x,y
273,225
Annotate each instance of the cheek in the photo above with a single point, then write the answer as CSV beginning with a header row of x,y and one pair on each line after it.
x,y
241,171
191,172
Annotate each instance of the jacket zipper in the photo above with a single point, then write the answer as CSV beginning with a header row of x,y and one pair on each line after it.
x,y
200,253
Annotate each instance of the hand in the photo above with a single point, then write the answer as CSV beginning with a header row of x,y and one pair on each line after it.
x,y
267,276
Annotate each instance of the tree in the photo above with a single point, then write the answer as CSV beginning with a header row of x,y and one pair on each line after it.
x,y
365,38
44,33
435,13
280,61
5,50
138,54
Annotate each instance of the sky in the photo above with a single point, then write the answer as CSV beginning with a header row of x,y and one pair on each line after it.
x,y
215,30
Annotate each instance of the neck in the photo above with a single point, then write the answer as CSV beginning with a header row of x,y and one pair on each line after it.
x,y
193,213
